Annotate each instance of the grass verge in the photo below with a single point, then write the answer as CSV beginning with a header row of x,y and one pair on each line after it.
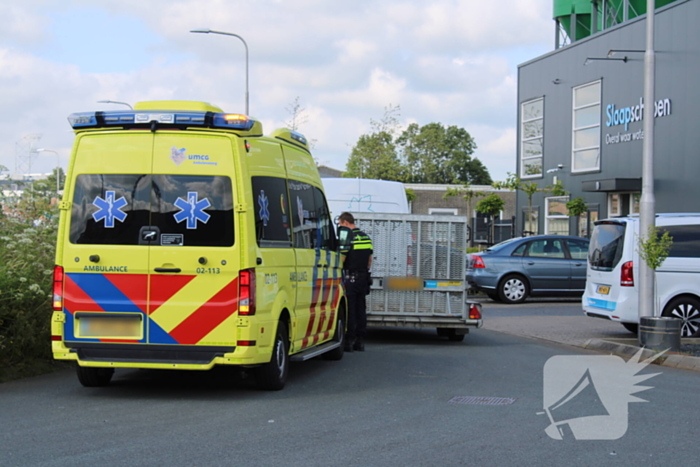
x,y
32,368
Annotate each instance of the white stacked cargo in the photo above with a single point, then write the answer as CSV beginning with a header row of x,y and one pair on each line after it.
x,y
418,273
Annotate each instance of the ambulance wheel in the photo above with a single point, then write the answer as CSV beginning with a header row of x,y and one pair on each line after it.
x,y
94,377
339,337
631,327
272,376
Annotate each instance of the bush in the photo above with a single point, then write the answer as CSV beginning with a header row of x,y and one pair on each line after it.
x,y
27,246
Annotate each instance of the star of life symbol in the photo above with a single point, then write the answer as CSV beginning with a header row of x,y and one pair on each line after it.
x,y
109,209
264,204
192,210
587,396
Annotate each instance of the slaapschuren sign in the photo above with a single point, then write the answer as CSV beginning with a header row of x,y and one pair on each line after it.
x,y
632,114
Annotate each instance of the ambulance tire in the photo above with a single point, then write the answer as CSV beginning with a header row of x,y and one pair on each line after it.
x,y
272,376
94,377
339,337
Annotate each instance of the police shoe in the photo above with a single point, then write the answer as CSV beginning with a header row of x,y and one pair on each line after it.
x,y
359,345
348,346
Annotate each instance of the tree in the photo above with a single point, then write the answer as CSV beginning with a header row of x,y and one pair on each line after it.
x,y
576,207
48,186
437,154
411,195
514,182
298,115
467,194
653,250
298,118
374,154
492,205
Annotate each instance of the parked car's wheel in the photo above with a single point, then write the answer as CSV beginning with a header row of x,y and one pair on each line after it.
x,y
631,327
94,377
687,309
513,289
272,376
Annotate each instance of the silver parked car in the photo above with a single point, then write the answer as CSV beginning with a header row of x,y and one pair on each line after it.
x,y
542,265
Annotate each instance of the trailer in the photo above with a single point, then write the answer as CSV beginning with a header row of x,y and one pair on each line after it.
x,y
418,273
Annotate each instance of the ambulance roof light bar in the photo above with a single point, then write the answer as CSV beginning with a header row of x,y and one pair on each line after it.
x,y
143,118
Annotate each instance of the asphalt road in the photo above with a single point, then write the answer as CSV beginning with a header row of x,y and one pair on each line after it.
x,y
554,319
387,406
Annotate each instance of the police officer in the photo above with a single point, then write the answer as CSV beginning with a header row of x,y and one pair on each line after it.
x,y
356,247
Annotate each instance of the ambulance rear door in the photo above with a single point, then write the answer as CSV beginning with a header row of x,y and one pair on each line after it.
x,y
194,255
106,269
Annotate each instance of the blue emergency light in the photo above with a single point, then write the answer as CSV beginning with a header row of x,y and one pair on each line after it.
x,y
146,118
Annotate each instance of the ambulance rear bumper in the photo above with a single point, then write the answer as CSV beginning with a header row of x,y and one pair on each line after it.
x,y
148,354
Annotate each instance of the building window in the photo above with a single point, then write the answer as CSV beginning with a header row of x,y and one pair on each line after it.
x,y
614,205
557,219
532,137
586,128
634,202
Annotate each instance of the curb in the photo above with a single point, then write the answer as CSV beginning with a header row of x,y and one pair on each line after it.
x,y
674,360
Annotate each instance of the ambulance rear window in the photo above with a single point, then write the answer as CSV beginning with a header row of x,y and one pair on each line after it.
x,y
174,210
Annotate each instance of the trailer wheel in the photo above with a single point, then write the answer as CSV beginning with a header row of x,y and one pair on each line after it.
x,y
273,375
94,377
451,334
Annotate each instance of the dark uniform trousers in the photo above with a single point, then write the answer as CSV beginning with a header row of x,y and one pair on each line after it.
x,y
356,285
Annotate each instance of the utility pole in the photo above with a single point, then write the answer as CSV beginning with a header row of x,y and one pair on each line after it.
x,y
647,206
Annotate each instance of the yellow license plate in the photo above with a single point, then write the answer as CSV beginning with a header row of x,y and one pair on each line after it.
x,y
110,326
603,289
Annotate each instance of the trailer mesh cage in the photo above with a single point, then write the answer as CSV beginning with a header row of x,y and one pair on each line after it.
x,y
432,248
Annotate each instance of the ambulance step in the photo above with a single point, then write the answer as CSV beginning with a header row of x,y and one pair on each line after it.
x,y
314,351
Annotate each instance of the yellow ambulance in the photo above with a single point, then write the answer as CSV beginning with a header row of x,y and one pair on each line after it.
x,y
187,239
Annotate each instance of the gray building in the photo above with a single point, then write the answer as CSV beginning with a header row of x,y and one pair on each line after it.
x,y
580,110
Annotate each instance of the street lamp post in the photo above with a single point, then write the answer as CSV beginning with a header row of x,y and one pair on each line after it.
x,y
58,167
209,31
647,205
116,102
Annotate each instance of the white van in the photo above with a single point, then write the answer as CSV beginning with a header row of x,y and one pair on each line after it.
x,y
613,263
358,195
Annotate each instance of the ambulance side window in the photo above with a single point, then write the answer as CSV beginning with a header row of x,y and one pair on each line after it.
x,y
304,217
325,224
109,209
272,212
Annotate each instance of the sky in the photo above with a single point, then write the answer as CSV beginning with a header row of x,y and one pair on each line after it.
x,y
448,61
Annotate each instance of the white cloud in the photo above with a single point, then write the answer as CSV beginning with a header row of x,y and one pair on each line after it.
x,y
442,61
